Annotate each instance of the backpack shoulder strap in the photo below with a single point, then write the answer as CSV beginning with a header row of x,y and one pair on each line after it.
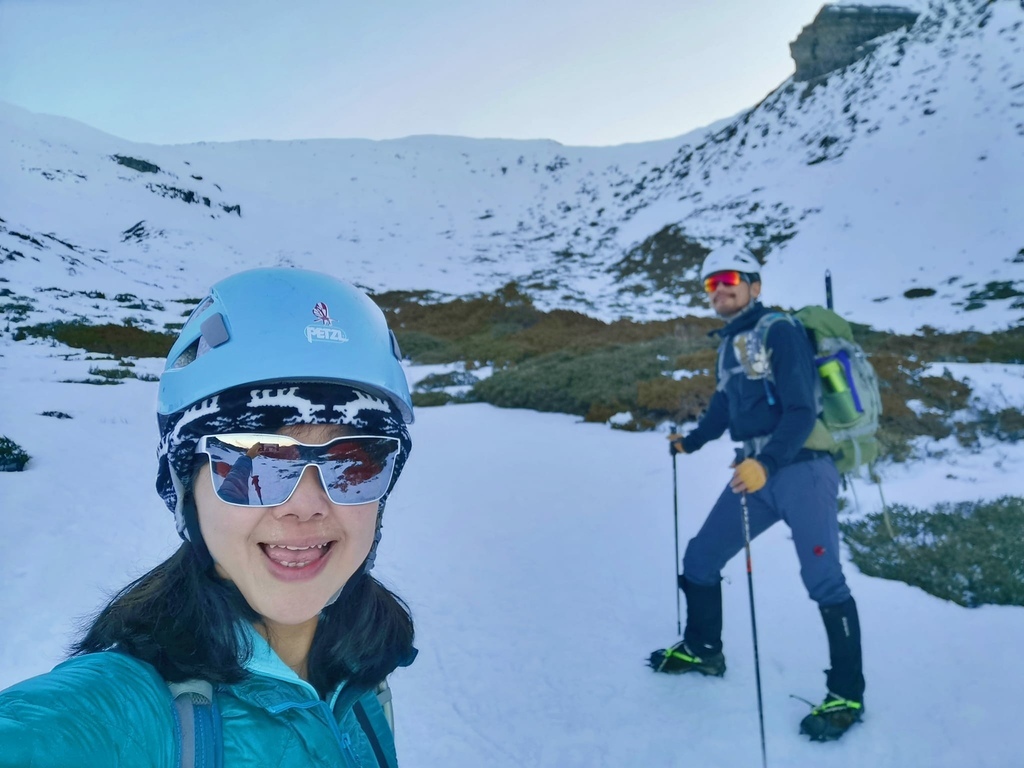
x,y
372,710
764,326
198,721
723,373
383,692
766,321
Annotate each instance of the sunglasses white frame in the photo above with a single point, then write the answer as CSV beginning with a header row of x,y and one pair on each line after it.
x,y
246,440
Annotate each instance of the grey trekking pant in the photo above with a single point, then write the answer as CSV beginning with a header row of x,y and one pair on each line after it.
x,y
804,495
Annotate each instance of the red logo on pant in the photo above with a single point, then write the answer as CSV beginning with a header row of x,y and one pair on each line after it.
x,y
819,550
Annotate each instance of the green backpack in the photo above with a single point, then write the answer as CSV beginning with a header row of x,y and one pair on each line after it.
x,y
847,385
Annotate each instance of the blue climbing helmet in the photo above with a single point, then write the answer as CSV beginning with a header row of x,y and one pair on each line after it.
x,y
283,325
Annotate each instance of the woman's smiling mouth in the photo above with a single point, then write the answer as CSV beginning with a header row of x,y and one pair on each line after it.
x,y
296,561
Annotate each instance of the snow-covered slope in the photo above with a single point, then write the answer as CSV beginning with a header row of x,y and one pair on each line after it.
x,y
900,173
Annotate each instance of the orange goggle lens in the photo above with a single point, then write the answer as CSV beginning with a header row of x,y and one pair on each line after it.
x,y
730,277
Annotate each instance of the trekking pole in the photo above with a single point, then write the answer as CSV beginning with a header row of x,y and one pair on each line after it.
x,y
828,288
675,517
753,619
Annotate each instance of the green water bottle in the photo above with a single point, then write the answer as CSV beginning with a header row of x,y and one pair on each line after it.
x,y
838,405
833,375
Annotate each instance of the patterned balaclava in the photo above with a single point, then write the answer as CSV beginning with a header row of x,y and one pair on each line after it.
x,y
266,408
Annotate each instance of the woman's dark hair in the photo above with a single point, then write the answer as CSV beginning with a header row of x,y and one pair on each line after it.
x,y
181,618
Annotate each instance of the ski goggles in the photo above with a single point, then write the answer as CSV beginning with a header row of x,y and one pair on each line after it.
x,y
263,470
729,277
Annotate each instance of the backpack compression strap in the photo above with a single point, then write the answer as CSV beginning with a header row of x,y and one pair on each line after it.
x,y
198,723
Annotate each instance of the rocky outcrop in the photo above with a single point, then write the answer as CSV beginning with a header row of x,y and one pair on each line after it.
x,y
142,166
841,34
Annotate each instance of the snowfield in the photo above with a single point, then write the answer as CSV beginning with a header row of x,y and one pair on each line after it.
x,y
536,554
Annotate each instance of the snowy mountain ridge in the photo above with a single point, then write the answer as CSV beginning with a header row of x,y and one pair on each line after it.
x,y
899,174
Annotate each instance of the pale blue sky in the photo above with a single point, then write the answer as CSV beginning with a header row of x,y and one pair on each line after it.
x,y
582,72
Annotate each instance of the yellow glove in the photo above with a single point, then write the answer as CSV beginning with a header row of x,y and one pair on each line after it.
x,y
675,444
749,477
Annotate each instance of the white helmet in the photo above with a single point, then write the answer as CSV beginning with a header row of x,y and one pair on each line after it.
x,y
731,257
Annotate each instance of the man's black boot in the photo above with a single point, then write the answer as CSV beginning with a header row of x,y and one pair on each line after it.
x,y
844,704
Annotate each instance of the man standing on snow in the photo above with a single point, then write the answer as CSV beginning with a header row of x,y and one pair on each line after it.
x,y
766,397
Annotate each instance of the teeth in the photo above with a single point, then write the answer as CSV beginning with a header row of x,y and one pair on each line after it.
x,y
296,549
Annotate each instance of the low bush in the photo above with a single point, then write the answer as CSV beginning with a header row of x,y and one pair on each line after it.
x,y
425,348
971,553
902,381
16,312
430,399
1009,425
932,346
587,384
680,401
703,361
103,381
119,340
450,379
115,375
112,373
13,457
570,362
55,414
505,327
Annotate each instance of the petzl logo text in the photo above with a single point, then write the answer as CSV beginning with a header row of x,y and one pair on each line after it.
x,y
324,333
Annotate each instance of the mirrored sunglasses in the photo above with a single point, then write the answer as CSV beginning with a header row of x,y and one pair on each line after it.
x,y
263,470
730,277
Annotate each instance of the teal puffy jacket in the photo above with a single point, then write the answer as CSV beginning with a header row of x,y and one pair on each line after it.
x,y
108,710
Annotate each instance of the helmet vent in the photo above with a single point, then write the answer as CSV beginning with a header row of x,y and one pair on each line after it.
x,y
188,355
200,308
395,349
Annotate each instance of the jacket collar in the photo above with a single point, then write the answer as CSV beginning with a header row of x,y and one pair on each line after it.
x,y
266,669
265,661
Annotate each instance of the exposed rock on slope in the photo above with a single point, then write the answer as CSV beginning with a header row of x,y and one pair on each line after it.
x,y
840,35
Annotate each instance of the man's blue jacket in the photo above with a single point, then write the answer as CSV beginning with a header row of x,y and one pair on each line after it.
x,y
780,412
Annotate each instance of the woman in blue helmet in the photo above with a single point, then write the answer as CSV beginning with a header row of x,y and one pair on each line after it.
x,y
263,640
